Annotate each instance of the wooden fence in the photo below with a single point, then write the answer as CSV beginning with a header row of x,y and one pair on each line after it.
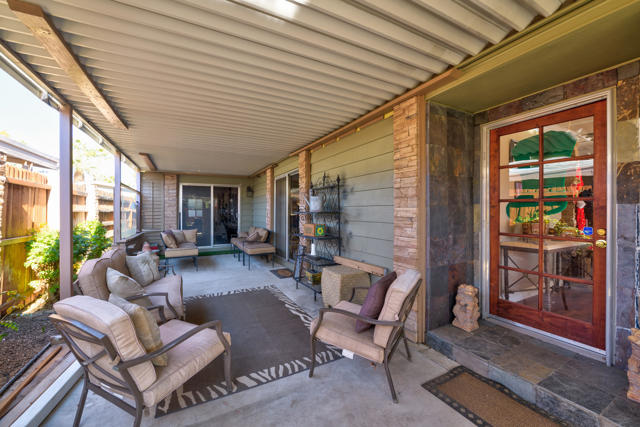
x,y
23,207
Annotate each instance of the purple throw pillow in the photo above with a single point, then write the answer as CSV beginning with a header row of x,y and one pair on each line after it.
x,y
374,301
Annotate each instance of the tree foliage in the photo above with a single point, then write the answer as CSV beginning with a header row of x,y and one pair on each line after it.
x,y
43,251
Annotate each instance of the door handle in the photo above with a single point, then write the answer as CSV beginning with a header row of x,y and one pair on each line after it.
x,y
601,243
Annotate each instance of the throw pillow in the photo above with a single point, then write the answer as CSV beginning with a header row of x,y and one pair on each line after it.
x,y
179,236
374,300
143,268
125,287
169,239
254,237
190,236
146,328
263,234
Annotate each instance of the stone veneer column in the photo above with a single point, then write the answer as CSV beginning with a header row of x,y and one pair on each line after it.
x,y
409,214
269,217
304,184
170,201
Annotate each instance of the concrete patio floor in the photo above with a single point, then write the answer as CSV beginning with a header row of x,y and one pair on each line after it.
x,y
345,392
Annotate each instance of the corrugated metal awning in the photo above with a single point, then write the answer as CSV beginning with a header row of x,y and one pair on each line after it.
x,y
229,86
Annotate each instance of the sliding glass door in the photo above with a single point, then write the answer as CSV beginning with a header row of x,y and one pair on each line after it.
x,y
225,214
196,212
212,210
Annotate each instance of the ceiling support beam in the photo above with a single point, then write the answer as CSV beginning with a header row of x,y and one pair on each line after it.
x,y
43,29
148,161
420,90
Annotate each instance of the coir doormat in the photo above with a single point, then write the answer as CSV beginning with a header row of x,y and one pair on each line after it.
x,y
487,403
269,341
282,273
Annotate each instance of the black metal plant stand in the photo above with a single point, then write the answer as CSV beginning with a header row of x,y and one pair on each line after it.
x,y
330,244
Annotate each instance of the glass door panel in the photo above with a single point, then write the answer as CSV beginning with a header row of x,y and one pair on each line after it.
x,y
225,214
547,215
196,212
294,223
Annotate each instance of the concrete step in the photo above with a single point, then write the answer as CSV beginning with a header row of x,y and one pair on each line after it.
x,y
583,391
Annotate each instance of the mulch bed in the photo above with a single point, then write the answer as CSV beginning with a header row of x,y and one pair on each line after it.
x,y
20,346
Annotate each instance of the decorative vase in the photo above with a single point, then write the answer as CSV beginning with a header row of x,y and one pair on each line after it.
x,y
466,309
633,369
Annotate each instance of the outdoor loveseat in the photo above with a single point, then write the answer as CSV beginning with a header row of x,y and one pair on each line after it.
x,y
92,281
257,241
180,244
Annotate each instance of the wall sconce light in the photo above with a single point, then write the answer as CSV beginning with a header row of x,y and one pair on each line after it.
x,y
249,191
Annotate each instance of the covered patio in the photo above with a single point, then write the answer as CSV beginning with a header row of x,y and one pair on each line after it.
x,y
492,144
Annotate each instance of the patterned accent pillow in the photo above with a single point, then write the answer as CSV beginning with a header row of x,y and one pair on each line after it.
x,y
169,239
374,301
143,268
146,328
253,237
125,287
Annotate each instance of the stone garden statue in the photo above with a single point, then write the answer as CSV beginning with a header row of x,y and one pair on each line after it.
x,y
466,309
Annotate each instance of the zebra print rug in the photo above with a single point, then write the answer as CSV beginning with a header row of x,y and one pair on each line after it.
x,y
269,341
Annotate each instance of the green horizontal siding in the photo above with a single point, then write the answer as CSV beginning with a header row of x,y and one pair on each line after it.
x,y
364,162
260,201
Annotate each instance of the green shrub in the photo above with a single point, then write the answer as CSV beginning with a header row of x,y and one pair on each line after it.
x,y
43,251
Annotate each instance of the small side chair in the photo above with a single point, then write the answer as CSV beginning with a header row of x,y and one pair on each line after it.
x,y
103,340
337,326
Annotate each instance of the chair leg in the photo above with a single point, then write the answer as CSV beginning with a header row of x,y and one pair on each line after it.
x,y
273,260
393,390
83,399
139,411
195,262
227,370
406,346
313,356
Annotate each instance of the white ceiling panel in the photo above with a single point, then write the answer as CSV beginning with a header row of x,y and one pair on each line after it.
x,y
227,87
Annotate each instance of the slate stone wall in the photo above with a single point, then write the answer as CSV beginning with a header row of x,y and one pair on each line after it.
x,y
450,171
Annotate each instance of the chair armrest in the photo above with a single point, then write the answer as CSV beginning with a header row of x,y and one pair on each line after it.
x,y
354,289
160,309
365,319
215,324
156,294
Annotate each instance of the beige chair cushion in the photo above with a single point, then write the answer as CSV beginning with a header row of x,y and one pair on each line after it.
x,y
115,324
145,326
125,287
396,295
258,248
143,268
184,249
190,236
243,234
169,240
179,236
237,241
185,359
92,278
340,330
172,285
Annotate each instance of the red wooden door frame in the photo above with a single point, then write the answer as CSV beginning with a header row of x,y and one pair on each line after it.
x,y
593,333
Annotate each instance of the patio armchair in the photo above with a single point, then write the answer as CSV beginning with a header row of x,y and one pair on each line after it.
x,y
185,245
337,326
102,337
